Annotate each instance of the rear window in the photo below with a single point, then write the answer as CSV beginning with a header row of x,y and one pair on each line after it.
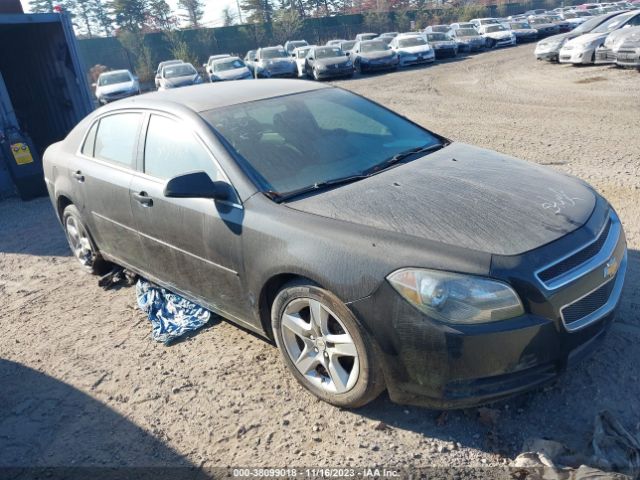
x,y
117,137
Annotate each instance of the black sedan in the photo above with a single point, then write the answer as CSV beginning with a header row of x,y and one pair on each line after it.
x,y
371,55
376,253
328,62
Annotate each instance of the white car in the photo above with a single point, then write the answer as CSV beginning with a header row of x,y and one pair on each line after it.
x,y
582,50
300,54
608,52
115,85
497,35
576,18
178,75
481,22
459,25
412,50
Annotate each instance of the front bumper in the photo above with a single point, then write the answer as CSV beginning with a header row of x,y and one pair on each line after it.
x,y
104,99
441,366
628,58
374,65
526,37
576,56
445,52
604,56
335,72
417,59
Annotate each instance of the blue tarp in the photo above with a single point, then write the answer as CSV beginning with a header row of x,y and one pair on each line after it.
x,y
170,315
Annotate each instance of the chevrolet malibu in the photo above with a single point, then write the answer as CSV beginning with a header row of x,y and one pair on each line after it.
x,y
375,253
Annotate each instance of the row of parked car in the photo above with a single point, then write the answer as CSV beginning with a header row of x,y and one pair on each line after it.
x,y
608,38
588,33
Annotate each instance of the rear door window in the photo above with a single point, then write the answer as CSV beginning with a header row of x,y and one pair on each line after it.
x,y
117,137
171,149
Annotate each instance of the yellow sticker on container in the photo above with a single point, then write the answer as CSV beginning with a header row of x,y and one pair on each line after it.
x,y
21,153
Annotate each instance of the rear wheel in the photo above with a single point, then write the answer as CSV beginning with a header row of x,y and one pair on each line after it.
x,y
324,347
80,242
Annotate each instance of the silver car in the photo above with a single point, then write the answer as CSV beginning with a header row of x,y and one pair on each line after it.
x,y
161,65
608,51
274,62
116,85
228,68
179,75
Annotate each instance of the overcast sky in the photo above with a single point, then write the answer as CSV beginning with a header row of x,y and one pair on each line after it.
x,y
212,11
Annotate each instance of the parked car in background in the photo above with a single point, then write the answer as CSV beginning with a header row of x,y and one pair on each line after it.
x,y
335,42
480,22
178,75
537,11
544,26
387,37
582,50
593,8
299,211
563,25
628,55
412,50
372,55
549,48
365,36
523,32
291,45
437,28
443,45
300,56
497,36
608,51
576,17
250,60
228,68
328,62
159,70
347,45
115,85
468,39
457,25
273,62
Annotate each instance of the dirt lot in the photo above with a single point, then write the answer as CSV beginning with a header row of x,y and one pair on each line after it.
x,y
81,383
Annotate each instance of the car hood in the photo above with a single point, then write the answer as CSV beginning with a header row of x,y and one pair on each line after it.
x,y
498,35
341,60
116,87
181,81
415,49
377,55
525,30
464,196
442,43
233,74
587,38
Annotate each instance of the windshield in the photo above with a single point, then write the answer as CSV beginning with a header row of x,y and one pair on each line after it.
x,y
582,14
348,45
588,25
437,37
302,52
329,52
440,28
466,25
225,65
612,24
297,43
374,47
538,21
272,53
296,141
411,42
488,21
519,26
180,70
113,78
368,36
466,32
494,28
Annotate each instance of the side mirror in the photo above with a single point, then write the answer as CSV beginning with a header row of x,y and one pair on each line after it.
x,y
94,85
255,59
347,53
204,65
309,58
196,185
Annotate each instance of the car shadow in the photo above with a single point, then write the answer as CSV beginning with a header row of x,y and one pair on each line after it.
x,y
564,411
48,425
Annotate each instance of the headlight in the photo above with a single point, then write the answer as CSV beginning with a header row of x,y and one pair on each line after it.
x,y
349,64
590,44
456,298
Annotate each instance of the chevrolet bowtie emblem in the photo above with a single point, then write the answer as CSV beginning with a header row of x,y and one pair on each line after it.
x,y
611,267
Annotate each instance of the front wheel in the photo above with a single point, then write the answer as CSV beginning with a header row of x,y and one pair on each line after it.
x,y
80,242
324,347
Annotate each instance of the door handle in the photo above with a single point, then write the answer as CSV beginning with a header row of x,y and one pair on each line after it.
x,y
143,199
78,176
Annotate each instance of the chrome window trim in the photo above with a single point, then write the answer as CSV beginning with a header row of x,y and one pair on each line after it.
x,y
584,268
605,309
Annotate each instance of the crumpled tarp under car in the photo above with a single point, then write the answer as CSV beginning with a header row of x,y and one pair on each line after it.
x,y
171,315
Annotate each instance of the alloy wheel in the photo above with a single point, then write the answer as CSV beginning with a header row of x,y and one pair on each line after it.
x,y
320,346
79,241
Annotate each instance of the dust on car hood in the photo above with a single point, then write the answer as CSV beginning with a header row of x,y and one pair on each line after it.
x,y
464,196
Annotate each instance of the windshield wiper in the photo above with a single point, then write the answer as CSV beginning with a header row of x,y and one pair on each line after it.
x,y
280,197
399,157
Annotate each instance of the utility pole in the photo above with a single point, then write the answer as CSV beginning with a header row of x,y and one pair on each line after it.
x,y
239,11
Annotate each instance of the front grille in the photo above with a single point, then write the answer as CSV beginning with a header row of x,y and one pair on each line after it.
x,y
577,258
588,304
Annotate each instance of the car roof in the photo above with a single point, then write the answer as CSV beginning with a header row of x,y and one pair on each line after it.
x,y
114,72
226,58
210,96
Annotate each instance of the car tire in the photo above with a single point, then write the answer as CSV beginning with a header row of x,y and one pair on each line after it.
x,y
316,77
491,43
81,243
345,373
359,69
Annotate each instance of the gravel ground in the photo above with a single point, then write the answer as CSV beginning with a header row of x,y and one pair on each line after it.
x,y
83,384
